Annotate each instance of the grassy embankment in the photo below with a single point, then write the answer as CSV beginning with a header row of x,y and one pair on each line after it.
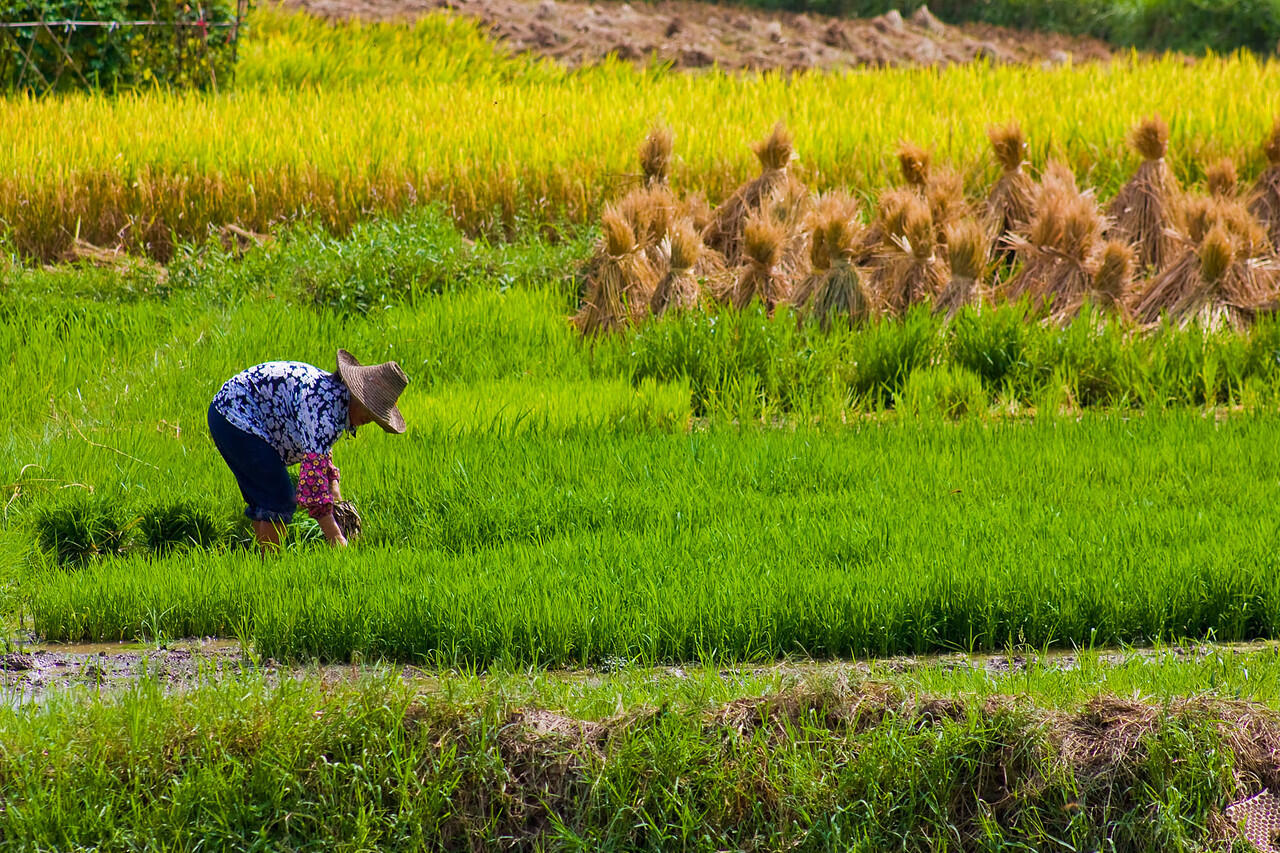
x,y
552,506
457,122
930,759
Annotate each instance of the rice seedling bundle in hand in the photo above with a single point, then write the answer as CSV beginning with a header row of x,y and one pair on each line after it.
x,y
1264,200
1223,280
760,277
1145,211
655,156
620,281
678,288
724,232
968,256
913,270
1221,178
1011,202
841,291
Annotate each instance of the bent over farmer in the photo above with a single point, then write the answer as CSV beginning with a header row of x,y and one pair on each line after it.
x,y
284,413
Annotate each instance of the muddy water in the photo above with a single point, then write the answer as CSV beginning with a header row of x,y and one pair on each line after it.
x,y
38,671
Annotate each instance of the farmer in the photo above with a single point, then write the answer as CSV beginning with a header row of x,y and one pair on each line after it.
x,y
282,413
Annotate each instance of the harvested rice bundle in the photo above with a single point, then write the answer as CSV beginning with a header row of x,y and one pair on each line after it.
x,y
840,292
655,155
619,282
678,287
891,211
913,270
789,206
914,162
831,205
968,253
724,232
697,209
1058,251
651,212
947,204
762,244
1011,202
1264,200
1224,278
1113,280
1144,212
1221,178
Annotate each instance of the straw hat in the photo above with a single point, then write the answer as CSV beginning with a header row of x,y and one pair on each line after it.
x,y
376,387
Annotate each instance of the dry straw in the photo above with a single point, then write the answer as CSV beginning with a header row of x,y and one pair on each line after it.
x,y
947,204
840,292
725,231
1011,202
1221,178
1113,280
1264,200
968,255
914,162
912,270
655,155
1144,212
760,278
1058,253
678,288
620,281
1224,279
831,204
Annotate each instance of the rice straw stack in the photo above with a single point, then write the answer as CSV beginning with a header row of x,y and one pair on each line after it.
x,y
841,292
1144,212
1011,202
725,231
619,284
678,288
759,277
968,256
1264,200
655,156
912,270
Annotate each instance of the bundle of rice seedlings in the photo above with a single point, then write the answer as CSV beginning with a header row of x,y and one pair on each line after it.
x,y
1011,202
840,292
1221,178
1057,252
655,155
724,232
762,244
968,250
1224,279
678,287
619,281
1264,200
1144,212
913,270
914,162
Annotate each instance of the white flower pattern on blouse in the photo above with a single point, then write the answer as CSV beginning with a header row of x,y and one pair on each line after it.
x,y
296,408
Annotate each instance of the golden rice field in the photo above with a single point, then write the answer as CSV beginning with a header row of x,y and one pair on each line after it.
x,y
335,123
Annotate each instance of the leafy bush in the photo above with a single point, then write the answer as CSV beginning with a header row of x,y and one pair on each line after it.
x,y
193,46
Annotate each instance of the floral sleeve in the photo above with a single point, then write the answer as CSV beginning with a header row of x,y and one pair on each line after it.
x,y
315,479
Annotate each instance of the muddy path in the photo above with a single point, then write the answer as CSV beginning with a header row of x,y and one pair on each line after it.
x,y
39,671
691,35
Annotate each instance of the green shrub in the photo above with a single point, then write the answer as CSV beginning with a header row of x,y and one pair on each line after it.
x,y
172,54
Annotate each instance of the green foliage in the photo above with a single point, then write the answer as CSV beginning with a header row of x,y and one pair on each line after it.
x,y
951,392
84,529
166,527
175,53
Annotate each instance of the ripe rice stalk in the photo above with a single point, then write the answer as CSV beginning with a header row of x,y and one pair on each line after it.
x,y
759,278
913,270
968,256
914,162
1010,204
1264,199
655,155
678,288
1222,179
841,291
724,232
1144,212
619,282
1224,280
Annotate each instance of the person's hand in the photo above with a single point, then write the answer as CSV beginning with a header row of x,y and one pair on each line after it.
x,y
332,531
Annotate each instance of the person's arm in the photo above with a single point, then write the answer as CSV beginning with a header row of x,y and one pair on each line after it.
x,y
317,490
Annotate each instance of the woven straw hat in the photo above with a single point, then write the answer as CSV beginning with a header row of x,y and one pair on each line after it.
x,y
376,387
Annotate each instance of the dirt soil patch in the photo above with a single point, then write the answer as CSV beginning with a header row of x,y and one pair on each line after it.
x,y
692,35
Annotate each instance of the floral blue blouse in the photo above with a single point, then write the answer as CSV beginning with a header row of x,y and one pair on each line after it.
x,y
298,409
